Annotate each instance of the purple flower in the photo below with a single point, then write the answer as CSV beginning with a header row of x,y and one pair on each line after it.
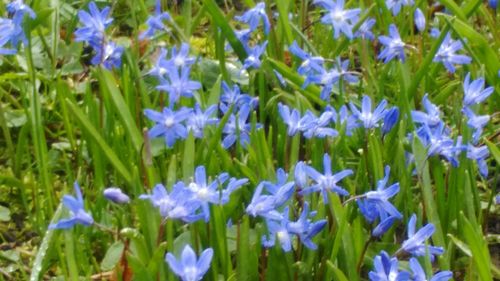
x,y
254,16
474,92
447,54
76,207
327,181
319,127
438,142
110,55
416,242
341,20
197,122
168,124
419,19
116,195
419,273
188,268
390,119
394,47
366,117
155,22
386,269
305,228
234,96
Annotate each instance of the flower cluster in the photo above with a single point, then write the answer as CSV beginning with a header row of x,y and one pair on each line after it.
x,y
93,32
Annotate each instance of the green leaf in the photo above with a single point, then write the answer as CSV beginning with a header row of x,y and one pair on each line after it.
x,y
4,213
494,151
108,152
112,256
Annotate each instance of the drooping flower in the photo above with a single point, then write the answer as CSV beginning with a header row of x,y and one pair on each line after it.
x,y
419,273
78,215
188,268
474,92
254,16
416,242
394,46
327,181
305,228
387,269
366,117
168,124
390,119
116,195
479,154
476,122
342,20
447,54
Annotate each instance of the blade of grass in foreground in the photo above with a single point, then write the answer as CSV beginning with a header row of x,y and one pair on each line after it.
x,y
108,152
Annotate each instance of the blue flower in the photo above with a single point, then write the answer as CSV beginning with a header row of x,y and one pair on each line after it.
x,y
178,85
93,32
327,181
78,215
432,116
116,195
364,31
390,119
254,54
394,47
237,127
476,122
155,22
366,117
493,4
254,16
234,96
479,154
95,23
161,66
204,192
309,63
343,119
376,203
168,124
300,174
395,5
438,142
383,226
197,122
305,228
11,31
416,242
447,54
474,92
341,20
419,19
419,273
278,229
326,78
109,55
179,204
18,6
319,126
180,58
188,268
386,269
